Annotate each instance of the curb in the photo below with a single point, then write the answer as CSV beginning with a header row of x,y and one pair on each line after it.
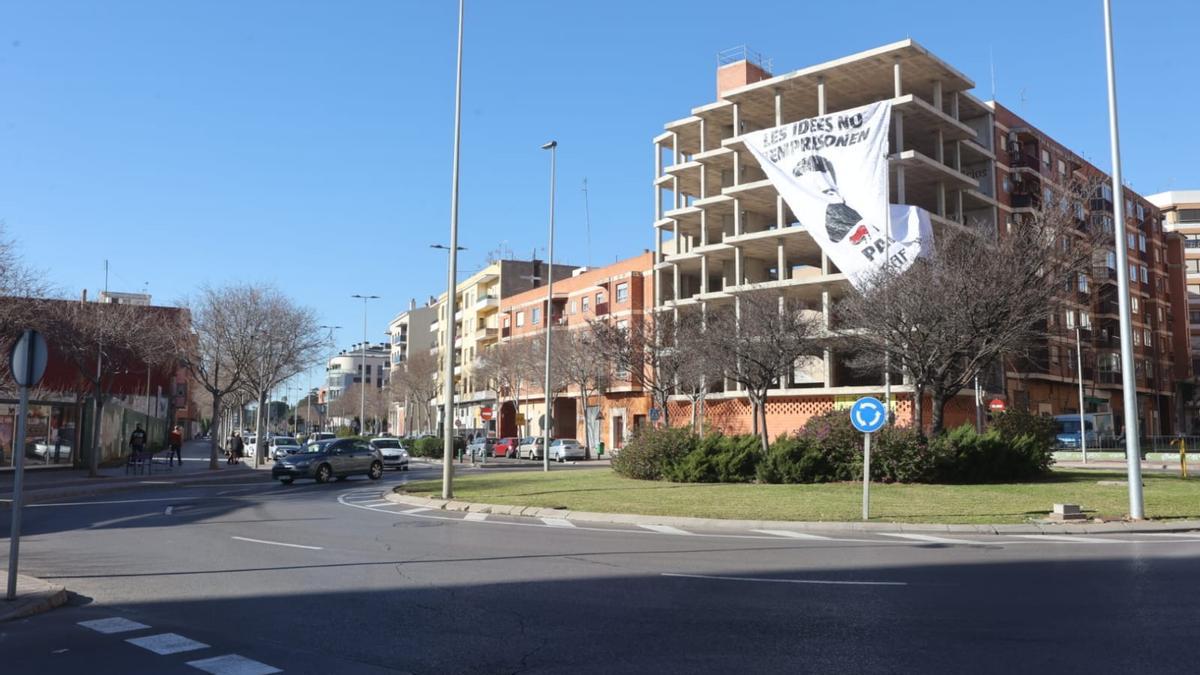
x,y
34,596
729,524
99,488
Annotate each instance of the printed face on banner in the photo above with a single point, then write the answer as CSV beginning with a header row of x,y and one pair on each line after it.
x,y
833,173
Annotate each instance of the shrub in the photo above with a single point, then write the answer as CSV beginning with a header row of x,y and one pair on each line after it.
x,y
966,456
343,432
651,453
801,459
717,458
430,446
902,455
1016,423
836,437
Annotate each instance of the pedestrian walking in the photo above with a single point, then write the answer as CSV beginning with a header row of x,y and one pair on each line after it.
x,y
236,447
176,443
137,440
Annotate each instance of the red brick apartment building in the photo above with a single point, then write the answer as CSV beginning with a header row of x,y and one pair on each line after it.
x,y
721,229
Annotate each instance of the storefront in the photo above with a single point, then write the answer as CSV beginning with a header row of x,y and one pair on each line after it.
x,y
50,433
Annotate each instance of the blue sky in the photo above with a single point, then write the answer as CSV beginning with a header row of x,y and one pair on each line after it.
x,y
308,143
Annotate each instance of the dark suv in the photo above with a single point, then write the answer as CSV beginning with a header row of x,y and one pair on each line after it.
x,y
325,460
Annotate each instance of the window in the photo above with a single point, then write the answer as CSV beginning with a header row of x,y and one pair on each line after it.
x,y
1192,265
622,292
1046,158
1132,272
1053,351
507,322
1085,320
1141,212
1141,242
1106,191
1193,316
1070,318
584,305
535,315
1146,339
520,319
1133,305
1062,168
600,298
1007,184
1129,237
1110,259
1193,289
1145,276
1083,283
1137,339
572,307
1128,207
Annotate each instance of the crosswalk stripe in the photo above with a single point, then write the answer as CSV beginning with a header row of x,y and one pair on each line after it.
x,y
233,664
167,643
931,539
664,529
1069,538
475,517
558,522
792,534
416,510
112,625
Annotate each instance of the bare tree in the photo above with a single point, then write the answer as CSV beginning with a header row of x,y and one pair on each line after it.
x,y
974,301
697,371
575,358
510,368
415,385
218,350
105,340
758,341
644,352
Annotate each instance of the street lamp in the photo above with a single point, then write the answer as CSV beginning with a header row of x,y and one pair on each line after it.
x,y
552,146
333,350
451,276
362,403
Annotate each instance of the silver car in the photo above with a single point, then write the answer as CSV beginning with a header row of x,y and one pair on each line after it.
x,y
393,452
564,449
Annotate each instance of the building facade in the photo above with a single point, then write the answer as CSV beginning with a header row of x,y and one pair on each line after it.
x,y
1181,216
346,369
622,293
410,332
722,229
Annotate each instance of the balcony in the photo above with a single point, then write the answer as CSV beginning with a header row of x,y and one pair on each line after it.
x,y
487,303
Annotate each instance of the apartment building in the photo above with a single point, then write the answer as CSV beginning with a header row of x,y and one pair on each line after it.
x,y
476,326
409,333
622,292
722,228
347,368
1181,215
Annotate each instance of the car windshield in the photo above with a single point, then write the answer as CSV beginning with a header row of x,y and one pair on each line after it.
x,y
317,446
285,440
386,443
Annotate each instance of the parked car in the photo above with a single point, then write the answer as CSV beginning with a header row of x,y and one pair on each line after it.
x,y
482,447
325,460
50,452
393,452
322,436
530,448
282,445
564,449
506,447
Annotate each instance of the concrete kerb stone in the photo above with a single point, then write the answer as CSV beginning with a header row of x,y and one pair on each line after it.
x,y
34,596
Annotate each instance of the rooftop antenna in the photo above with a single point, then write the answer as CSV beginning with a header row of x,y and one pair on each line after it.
x,y
587,214
992,66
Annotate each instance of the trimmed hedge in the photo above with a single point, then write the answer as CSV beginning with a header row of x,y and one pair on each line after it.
x,y
828,449
430,446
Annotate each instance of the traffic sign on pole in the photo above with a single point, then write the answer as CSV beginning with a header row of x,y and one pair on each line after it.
x,y
28,362
868,415
28,358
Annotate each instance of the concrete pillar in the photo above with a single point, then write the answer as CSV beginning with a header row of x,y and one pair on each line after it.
x,y
677,199
737,266
703,135
703,228
703,180
737,119
898,124
954,105
779,219
898,90
778,107
675,279
940,147
781,261
674,148
658,245
703,274
900,196
737,217
821,95
658,301
941,198
737,168
958,206
937,95
958,155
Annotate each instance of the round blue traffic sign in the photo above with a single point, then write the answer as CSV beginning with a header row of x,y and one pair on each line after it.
x,y
868,414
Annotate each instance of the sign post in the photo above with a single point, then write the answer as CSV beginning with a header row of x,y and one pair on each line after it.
x,y
28,359
868,416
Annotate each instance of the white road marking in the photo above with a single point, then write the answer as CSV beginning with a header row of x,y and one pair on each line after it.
x,y
1069,538
278,543
1186,536
156,482
233,664
166,643
416,510
793,534
169,511
932,539
373,502
829,582
475,517
558,522
112,501
115,624
664,529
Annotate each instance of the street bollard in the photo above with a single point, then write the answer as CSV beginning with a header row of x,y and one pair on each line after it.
x,y
1182,457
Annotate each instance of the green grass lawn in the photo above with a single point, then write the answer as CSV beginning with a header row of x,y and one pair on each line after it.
x,y
602,490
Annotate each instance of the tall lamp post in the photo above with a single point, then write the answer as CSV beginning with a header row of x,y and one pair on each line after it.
x,y
451,277
552,146
1133,455
362,390
333,350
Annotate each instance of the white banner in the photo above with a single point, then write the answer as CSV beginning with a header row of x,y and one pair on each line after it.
x,y
832,171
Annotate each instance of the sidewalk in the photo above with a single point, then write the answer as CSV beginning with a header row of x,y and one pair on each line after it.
x,y
34,596
41,486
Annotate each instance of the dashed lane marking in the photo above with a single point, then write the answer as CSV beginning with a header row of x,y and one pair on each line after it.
x,y
112,625
664,529
820,582
415,511
278,543
791,534
475,517
167,643
233,664
929,538
557,522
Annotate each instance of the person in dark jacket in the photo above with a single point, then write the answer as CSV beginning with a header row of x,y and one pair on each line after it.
x,y
175,442
236,448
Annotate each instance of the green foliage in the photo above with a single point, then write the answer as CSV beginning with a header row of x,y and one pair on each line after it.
x,y
1016,423
430,446
717,458
652,452
902,455
835,435
801,459
343,432
966,456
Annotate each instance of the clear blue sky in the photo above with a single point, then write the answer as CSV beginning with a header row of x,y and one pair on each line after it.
x,y
308,143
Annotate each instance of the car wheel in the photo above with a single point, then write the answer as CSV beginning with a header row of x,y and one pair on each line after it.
x,y
404,468
286,481
376,471
324,473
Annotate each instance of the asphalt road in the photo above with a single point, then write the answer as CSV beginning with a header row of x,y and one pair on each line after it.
x,y
256,576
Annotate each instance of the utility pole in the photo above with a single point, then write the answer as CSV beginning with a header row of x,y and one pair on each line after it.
x,y
552,146
451,280
587,220
362,403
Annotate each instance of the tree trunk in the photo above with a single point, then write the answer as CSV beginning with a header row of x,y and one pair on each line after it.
x,y
937,401
918,405
214,431
760,422
702,394
694,404
98,410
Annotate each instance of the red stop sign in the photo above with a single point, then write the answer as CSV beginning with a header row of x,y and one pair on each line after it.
x,y
485,414
996,405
